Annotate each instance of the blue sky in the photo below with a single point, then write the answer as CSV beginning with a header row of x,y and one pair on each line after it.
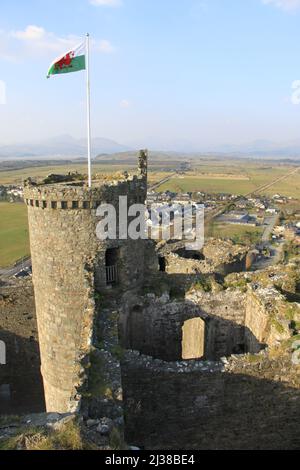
x,y
163,72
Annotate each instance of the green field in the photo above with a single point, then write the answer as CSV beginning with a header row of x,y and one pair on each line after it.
x,y
238,233
236,179
14,239
210,185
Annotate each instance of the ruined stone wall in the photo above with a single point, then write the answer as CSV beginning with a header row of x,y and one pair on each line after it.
x,y
194,405
68,265
217,256
265,325
177,265
155,326
226,311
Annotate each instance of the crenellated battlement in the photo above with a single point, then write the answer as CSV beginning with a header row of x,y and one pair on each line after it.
x,y
68,196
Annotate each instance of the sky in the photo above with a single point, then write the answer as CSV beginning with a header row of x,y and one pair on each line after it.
x,y
165,74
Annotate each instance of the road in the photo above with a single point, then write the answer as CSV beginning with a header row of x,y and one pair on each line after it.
x,y
164,180
271,222
8,272
278,180
275,258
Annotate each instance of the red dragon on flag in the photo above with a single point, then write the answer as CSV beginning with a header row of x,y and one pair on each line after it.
x,y
65,61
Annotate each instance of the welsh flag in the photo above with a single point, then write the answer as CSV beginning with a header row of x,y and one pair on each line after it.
x,y
72,61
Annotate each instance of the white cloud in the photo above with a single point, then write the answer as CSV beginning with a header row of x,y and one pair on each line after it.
x,y
125,104
284,4
106,3
31,32
103,46
35,41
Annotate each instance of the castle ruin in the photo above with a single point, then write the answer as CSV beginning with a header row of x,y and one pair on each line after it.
x,y
127,326
70,264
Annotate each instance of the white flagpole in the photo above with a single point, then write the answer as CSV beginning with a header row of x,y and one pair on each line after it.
x,y
88,108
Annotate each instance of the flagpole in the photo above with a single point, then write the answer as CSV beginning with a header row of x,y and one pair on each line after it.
x,y
88,108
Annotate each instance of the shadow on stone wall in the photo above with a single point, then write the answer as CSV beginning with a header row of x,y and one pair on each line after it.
x,y
165,410
161,336
206,408
21,386
157,330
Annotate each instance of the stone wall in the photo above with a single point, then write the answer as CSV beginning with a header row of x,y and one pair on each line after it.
x,y
265,325
154,326
244,401
217,256
226,311
68,267
158,327
192,405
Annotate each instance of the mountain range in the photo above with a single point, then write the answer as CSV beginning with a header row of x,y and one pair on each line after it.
x,y
66,146
63,146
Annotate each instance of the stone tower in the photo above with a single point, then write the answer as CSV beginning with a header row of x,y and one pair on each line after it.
x,y
69,265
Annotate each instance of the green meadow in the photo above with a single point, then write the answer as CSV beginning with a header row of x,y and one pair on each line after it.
x,y
236,179
14,237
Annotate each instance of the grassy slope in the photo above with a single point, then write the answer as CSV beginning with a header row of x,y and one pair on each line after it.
x,y
14,239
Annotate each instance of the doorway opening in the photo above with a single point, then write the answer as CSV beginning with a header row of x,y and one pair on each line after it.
x,y
111,266
162,264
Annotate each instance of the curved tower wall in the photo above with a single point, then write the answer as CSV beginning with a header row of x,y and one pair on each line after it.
x,y
68,265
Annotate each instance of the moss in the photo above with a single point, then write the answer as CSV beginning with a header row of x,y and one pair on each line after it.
x,y
9,420
9,444
97,385
295,326
277,325
98,297
291,311
253,358
98,339
289,343
118,352
237,284
67,438
116,441
203,284
99,344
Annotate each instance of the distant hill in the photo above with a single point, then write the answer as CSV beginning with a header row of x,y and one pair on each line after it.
x,y
63,146
103,150
263,148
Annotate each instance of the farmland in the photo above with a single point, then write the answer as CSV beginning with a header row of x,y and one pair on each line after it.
x,y
14,239
236,179
219,176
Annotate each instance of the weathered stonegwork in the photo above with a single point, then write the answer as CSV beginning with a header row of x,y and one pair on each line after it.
x,y
69,268
246,402
217,256
219,400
